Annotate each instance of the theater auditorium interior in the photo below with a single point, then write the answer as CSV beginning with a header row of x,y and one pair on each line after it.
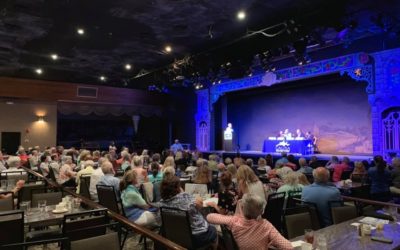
x,y
198,124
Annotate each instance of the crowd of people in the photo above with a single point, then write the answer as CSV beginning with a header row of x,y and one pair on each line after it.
x,y
242,195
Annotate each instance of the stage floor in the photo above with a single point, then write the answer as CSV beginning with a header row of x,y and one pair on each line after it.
x,y
325,157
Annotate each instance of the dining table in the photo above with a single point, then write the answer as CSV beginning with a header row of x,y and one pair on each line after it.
x,y
345,236
36,217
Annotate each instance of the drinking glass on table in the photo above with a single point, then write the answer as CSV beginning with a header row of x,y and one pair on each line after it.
x,y
42,205
3,184
309,236
26,207
10,184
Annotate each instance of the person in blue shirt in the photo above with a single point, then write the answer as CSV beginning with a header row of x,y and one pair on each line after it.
x,y
320,193
304,169
176,146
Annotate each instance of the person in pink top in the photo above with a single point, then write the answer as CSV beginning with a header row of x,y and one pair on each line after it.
x,y
250,230
338,169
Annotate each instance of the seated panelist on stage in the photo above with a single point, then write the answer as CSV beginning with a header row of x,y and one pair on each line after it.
x,y
286,134
299,134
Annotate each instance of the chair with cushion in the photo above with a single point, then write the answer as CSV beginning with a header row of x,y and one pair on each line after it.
x,y
228,239
11,227
7,204
106,241
176,226
293,199
85,224
274,210
25,194
84,186
340,212
108,198
52,198
297,220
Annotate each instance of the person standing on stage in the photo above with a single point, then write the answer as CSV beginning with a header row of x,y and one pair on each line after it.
x,y
176,146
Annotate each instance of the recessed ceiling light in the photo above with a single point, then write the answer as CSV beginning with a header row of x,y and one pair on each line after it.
x,y
39,71
102,78
80,31
9,102
168,49
128,66
241,15
54,56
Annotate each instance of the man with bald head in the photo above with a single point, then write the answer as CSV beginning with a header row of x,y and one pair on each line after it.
x,y
320,193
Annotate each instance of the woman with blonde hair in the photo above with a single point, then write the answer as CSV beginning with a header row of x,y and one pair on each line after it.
x,y
137,166
169,162
203,175
303,180
248,182
135,207
291,181
233,170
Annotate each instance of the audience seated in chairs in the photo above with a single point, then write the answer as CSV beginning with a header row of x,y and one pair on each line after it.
x,y
95,177
248,182
227,195
172,196
359,173
135,207
67,175
250,230
340,168
320,193
156,175
291,181
108,178
304,168
88,169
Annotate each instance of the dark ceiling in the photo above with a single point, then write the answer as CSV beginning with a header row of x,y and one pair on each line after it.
x,y
205,33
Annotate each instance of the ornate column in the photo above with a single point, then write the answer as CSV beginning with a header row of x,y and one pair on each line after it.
x,y
386,96
203,120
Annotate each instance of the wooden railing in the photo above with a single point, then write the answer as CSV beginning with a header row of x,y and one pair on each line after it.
x,y
370,202
117,217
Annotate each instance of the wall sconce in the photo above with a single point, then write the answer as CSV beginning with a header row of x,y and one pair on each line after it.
x,y
40,118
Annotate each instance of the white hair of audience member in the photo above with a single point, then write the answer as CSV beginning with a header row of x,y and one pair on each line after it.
x,y
302,162
102,160
292,178
13,162
178,155
137,161
252,206
145,152
321,175
169,171
213,157
88,163
66,159
107,167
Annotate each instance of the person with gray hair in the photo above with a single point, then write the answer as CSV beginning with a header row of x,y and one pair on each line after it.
x,y
250,230
14,164
304,168
108,179
320,193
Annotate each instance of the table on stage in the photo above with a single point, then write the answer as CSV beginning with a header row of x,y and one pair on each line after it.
x,y
292,146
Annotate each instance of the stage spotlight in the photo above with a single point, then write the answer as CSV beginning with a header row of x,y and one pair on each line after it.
x,y
128,66
168,49
102,78
54,56
80,31
241,15
39,71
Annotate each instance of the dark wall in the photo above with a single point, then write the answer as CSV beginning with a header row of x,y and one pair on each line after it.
x,y
100,130
334,108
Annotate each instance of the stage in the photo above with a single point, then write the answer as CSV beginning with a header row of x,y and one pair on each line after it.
x,y
256,154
